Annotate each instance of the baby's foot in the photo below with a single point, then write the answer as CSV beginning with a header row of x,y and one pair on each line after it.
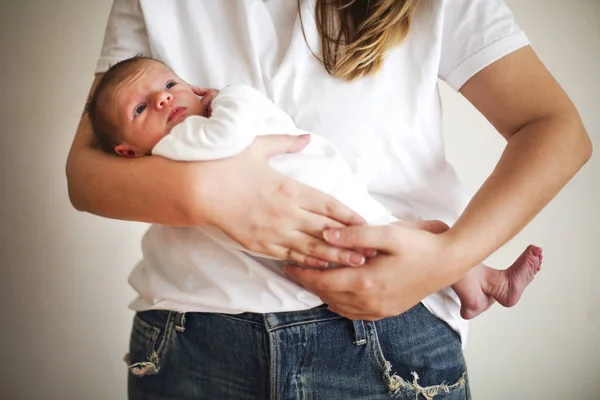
x,y
508,290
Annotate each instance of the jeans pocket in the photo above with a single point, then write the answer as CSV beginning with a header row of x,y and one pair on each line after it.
x,y
419,356
151,336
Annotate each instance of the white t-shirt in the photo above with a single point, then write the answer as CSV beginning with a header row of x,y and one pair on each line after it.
x,y
389,124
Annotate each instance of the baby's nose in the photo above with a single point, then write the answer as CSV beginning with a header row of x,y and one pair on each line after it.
x,y
162,99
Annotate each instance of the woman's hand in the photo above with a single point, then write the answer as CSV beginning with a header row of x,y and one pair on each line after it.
x,y
269,213
413,261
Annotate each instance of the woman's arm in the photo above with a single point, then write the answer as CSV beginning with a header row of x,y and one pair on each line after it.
x,y
547,144
259,208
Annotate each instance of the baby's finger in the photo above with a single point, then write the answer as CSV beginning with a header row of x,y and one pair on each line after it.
x,y
199,91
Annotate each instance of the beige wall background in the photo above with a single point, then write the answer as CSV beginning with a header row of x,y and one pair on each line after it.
x,y
63,288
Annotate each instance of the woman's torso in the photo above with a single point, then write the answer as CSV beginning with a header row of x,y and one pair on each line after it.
x,y
388,125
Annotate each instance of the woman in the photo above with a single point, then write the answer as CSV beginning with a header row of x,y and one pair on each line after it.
x,y
364,75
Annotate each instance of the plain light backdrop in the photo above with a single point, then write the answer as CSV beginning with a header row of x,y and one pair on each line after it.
x,y
63,286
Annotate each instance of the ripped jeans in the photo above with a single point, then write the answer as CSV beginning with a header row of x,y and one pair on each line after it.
x,y
311,354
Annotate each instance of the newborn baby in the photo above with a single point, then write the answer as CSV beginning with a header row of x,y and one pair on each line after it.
x,y
142,108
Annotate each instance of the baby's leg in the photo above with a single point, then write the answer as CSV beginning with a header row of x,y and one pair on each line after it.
x,y
479,287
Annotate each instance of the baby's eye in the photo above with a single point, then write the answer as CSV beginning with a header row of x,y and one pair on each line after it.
x,y
170,84
139,109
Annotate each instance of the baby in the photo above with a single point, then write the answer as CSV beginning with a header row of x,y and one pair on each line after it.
x,y
141,108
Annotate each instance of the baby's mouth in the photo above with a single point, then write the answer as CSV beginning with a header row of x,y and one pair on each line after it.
x,y
175,112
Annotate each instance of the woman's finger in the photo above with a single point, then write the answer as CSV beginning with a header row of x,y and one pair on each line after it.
x,y
314,224
433,226
345,291
302,259
329,282
350,315
369,253
343,303
355,316
315,247
318,202
373,237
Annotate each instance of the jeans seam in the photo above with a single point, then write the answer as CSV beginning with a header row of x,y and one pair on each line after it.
x,y
155,350
137,320
376,352
273,359
226,316
312,321
165,343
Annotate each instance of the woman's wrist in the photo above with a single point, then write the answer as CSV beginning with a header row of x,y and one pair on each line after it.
x,y
459,255
199,193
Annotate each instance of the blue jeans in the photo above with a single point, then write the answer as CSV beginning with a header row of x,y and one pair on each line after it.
x,y
311,354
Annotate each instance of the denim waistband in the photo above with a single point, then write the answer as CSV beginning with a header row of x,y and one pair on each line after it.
x,y
273,321
312,352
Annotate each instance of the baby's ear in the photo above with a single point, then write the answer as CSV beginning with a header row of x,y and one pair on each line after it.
x,y
125,150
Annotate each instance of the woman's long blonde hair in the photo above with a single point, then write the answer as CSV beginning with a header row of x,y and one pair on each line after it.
x,y
355,34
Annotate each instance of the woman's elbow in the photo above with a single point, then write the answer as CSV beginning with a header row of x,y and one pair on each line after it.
x,y
588,148
74,183
582,144
570,137
77,200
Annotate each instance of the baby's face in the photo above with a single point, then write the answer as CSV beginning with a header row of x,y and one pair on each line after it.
x,y
148,104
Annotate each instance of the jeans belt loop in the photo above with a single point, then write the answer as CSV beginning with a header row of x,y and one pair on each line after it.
x,y
360,336
180,322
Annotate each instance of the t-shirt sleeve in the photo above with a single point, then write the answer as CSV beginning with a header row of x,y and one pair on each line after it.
x,y
475,34
125,34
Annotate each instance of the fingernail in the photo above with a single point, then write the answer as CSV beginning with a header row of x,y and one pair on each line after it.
x,y
331,234
356,259
370,252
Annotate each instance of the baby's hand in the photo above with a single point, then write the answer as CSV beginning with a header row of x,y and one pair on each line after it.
x,y
208,95
207,101
198,91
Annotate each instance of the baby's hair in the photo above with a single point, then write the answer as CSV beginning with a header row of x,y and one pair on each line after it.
x,y
107,136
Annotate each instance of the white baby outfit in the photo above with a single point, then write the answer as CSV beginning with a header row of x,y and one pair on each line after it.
x,y
239,114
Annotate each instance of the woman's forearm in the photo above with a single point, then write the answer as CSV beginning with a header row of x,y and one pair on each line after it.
x,y
147,189
538,161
